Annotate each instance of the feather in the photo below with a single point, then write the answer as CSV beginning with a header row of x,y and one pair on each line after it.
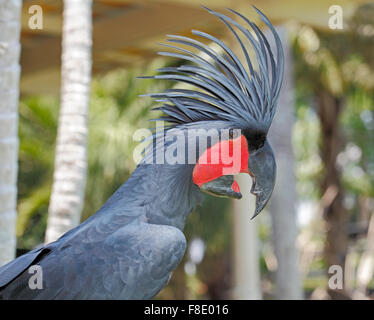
x,y
223,89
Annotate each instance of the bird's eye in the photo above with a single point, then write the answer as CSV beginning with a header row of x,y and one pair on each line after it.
x,y
261,143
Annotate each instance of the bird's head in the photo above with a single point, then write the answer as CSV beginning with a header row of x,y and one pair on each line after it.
x,y
243,152
236,99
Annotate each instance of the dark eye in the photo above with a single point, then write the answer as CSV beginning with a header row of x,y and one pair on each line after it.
x,y
261,142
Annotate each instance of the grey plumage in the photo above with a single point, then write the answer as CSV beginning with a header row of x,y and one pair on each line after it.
x,y
128,249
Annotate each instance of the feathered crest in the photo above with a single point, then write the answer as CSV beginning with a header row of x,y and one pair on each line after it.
x,y
229,92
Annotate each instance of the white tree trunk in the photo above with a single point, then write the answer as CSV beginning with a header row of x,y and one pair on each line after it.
x,y
10,26
365,269
67,197
283,200
247,279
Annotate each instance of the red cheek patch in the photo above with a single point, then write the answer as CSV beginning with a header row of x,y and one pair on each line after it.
x,y
228,157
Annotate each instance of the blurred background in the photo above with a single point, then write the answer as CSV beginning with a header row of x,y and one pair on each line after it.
x,y
316,238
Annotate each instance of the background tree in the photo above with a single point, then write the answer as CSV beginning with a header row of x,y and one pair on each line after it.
x,y
10,25
326,87
69,182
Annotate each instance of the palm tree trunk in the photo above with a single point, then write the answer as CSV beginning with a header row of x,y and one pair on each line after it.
x,y
10,47
247,277
67,197
283,200
329,110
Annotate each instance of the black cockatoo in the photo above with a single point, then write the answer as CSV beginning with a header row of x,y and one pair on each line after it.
x,y
128,249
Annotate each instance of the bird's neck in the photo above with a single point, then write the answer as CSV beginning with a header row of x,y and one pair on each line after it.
x,y
173,196
158,193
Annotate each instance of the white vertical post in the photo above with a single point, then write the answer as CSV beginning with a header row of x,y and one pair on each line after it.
x,y
10,27
247,279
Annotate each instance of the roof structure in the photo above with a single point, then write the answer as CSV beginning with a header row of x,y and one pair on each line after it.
x,y
127,32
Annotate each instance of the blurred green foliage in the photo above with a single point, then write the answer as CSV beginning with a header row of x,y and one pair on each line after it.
x,y
341,63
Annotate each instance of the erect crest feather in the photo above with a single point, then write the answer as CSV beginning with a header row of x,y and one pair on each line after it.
x,y
226,90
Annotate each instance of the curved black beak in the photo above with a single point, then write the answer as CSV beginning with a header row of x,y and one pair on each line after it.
x,y
262,167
